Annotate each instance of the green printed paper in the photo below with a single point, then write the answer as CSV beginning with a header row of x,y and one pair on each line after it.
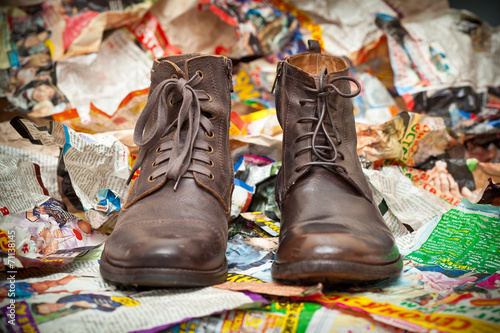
x,y
464,238
298,314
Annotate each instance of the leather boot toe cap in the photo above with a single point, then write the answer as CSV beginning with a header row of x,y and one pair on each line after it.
x,y
364,249
177,244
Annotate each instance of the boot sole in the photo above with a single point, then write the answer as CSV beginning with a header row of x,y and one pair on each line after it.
x,y
161,277
334,271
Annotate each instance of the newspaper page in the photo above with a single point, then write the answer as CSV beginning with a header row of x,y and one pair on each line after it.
x,y
78,300
260,219
211,34
77,27
483,171
412,205
374,105
47,164
120,311
46,234
124,119
406,139
11,138
270,288
424,299
427,181
241,197
261,27
413,8
249,261
465,237
240,228
29,84
346,26
5,38
284,316
437,48
21,186
257,144
253,84
395,225
254,184
98,165
489,194
127,69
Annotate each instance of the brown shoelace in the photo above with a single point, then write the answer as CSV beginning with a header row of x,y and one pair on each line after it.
x,y
322,152
174,157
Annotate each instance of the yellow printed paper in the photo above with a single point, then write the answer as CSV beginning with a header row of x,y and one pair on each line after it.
x,y
401,317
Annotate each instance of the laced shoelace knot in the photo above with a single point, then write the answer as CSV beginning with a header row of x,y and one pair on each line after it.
x,y
184,148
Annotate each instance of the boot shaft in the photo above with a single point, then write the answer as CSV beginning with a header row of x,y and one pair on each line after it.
x,y
313,93
200,84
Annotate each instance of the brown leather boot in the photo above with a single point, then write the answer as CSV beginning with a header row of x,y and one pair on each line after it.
x,y
331,230
172,230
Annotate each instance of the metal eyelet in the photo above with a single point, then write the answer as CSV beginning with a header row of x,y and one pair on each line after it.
x,y
174,76
212,177
209,98
212,164
158,151
200,73
211,135
154,165
170,102
210,149
151,179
